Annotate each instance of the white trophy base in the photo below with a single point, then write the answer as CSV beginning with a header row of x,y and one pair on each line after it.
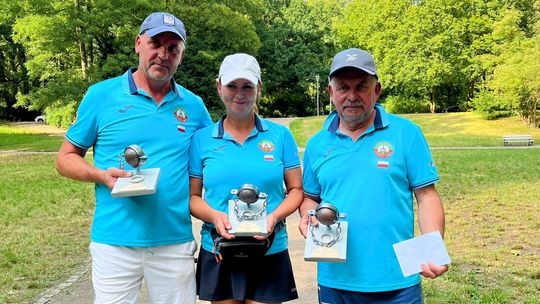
x,y
126,187
246,227
318,253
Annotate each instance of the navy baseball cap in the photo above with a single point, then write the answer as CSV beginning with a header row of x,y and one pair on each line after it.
x,y
158,22
353,58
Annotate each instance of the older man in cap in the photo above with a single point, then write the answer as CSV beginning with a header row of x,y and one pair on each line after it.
x,y
146,236
368,164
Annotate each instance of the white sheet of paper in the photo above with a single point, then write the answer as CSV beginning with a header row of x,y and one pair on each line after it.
x,y
421,250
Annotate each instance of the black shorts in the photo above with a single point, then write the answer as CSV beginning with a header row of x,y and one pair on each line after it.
x,y
266,279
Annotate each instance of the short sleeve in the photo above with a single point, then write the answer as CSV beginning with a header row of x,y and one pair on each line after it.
x,y
195,160
84,131
311,183
291,159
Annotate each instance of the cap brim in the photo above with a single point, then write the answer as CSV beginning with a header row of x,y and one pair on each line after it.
x,y
162,29
370,72
225,79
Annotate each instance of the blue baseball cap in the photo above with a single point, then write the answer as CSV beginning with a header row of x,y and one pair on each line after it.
x,y
353,58
158,22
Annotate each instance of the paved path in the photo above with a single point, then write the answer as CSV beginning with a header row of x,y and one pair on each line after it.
x,y
78,287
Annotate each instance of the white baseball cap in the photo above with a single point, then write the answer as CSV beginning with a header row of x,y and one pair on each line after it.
x,y
239,66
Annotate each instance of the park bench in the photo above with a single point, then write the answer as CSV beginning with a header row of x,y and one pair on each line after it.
x,y
507,139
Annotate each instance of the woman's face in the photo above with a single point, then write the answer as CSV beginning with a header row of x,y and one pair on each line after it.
x,y
239,96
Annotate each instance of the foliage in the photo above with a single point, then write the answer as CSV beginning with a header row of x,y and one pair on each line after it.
x,y
61,115
404,104
491,106
299,45
516,79
214,31
443,51
424,49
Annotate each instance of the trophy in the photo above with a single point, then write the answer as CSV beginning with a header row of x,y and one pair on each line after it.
x,y
142,182
247,212
326,242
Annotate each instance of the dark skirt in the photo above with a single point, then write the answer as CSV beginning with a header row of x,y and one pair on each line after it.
x,y
266,279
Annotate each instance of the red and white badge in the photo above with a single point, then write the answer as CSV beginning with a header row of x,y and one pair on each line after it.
x,y
266,146
180,115
383,150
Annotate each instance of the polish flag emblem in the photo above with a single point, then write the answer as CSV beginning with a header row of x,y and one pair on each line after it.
x,y
269,157
181,128
383,164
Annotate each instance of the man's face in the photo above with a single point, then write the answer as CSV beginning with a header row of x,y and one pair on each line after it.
x,y
354,94
159,56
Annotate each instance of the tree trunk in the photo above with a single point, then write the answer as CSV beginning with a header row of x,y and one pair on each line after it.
x,y
432,104
82,46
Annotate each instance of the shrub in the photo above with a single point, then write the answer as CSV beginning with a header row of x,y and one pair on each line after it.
x,y
405,105
61,115
491,106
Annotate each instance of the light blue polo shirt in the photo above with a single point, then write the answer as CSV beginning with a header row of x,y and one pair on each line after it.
x,y
115,114
371,180
224,164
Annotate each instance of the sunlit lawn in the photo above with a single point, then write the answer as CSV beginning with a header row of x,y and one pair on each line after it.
x,y
13,138
442,130
491,197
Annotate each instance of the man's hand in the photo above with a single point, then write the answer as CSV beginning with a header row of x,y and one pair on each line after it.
x,y
111,175
304,224
432,271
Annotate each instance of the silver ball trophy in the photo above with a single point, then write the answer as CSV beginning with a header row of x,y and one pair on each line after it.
x,y
326,242
247,212
142,182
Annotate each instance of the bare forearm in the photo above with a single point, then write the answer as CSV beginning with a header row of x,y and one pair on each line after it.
x,y
289,205
430,210
71,164
75,167
200,209
307,204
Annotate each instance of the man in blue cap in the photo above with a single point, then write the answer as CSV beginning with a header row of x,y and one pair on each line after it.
x,y
368,163
145,236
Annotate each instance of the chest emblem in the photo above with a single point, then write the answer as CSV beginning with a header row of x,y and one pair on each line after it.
x,y
266,146
383,150
180,115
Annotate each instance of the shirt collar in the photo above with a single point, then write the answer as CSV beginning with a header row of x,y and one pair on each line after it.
x,y
132,89
219,131
381,119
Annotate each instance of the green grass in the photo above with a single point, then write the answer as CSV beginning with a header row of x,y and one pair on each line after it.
x,y
441,130
492,205
491,198
44,226
13,138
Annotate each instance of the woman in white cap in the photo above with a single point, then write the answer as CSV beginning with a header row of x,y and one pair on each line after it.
x,y
244,152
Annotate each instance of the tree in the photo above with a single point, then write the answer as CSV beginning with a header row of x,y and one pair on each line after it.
x,y
514,84
298,44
